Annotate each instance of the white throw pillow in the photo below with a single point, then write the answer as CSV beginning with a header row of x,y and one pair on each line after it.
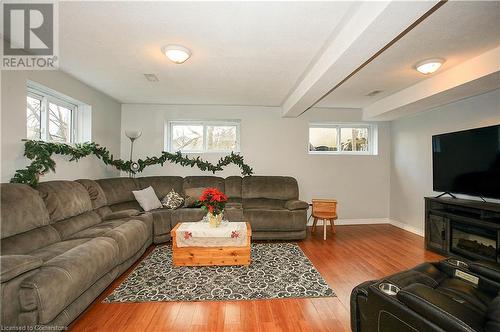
x,y
147,199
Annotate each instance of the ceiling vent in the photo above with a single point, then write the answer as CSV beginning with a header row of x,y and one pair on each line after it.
x,y
151,77
374,93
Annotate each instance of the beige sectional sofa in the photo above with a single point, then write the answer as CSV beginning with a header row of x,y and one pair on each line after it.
x,y
64,242
60,250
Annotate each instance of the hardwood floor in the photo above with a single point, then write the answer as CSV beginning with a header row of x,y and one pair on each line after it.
x,y
353,255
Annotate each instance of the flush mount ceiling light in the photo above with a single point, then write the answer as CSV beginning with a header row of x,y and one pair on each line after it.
x,y
429,66
176,53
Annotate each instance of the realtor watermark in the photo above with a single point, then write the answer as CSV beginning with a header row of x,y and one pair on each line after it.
x,y
30,35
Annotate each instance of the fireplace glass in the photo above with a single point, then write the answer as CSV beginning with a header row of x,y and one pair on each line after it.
x,y
474,242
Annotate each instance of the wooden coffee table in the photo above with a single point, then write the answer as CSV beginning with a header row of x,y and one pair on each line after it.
x,y
210,256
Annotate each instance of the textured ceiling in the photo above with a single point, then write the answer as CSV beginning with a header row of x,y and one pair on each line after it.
x,y
457,31
244,53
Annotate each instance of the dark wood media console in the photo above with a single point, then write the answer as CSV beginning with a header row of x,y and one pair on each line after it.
x,y
463,228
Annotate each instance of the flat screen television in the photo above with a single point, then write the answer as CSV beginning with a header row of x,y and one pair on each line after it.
x,y
467,162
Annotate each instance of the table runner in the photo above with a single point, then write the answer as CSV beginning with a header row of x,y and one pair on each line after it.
x,y
200,234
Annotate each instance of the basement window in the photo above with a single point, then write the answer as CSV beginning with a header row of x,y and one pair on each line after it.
x,y
203,136
342,138
54,117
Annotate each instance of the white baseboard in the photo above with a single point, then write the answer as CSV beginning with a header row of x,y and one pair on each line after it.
x,y
374,221
342,222
406,227
371,221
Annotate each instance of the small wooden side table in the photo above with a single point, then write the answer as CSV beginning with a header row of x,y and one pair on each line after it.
x,y
326,210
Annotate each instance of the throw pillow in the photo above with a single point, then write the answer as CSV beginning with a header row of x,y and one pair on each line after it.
x,y
192,197
172,200
147,199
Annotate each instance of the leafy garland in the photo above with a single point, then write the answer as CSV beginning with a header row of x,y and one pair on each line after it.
x,y
40,153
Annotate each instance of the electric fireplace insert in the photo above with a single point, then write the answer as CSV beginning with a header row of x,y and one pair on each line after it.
x,y
473,242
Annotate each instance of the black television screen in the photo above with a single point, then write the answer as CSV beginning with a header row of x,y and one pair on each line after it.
x,y
467,162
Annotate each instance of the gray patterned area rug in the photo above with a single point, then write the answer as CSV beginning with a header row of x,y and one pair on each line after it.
x,y
277,270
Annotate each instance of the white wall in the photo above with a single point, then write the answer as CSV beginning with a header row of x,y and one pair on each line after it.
x,y
411,157
273,145
106,114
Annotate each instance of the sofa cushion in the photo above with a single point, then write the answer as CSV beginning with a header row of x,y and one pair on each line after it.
x,y
203,182
96,194
186,215
458,288
273,187
11,313
233,205
26,242
130,236
162,184
121,214
264,204
444,311
276,220
161,221
56,249
493,315
295,204
64,199
490,270
126,206
68,275
233,214
99,229
232,186
192,196
70,226
118,190
15,265
22,209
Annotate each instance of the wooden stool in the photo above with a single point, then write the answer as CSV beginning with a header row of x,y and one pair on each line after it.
x,y
326,210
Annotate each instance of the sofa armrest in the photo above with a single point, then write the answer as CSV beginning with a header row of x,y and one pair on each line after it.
x,y
295,204
359,295
490,270
121,214
446,312
14,265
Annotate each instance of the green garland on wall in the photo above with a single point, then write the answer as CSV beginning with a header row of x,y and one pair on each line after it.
x,y
40,153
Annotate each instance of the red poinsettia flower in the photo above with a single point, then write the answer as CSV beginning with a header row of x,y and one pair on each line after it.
x,y
213,200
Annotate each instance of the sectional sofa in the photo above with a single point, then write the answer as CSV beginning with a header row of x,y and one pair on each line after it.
x,y
64,242
269,203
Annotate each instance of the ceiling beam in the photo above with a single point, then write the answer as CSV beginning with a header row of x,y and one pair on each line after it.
x,y
472,77
370,29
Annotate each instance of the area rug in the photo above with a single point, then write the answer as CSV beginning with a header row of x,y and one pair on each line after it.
x,y
278,270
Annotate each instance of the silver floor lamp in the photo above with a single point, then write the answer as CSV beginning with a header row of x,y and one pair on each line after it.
x,y
133,135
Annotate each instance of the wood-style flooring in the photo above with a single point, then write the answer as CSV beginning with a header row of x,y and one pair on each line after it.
x,y
353,255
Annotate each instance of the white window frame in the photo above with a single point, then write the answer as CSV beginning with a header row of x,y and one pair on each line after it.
x,y
48,96
204,123
372,137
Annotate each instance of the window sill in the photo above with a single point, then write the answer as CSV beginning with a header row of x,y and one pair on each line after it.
x,y
344,153
204,152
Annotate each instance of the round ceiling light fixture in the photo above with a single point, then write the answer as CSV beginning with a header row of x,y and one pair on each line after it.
x,y
176,53
429,66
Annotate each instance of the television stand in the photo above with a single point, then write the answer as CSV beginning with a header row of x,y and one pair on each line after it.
x,y
463,228
446,193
